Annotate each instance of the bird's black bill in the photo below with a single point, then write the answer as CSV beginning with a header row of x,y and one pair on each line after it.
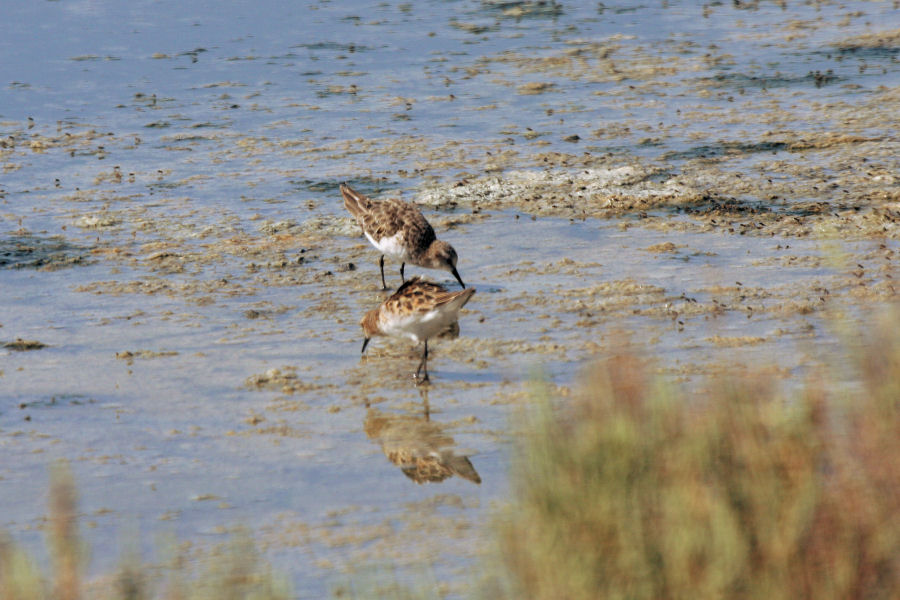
x,y
458,278
365,343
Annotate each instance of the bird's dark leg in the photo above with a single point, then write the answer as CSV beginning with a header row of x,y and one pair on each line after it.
x,y
381,264
423,366
402,278
423,393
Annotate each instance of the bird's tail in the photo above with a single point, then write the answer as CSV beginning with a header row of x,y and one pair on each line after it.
x,y
457,299
462,466
355,202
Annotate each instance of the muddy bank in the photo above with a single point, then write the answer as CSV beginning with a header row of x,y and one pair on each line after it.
x,y
720,188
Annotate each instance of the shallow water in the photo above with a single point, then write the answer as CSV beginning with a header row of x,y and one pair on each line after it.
x,y
172,231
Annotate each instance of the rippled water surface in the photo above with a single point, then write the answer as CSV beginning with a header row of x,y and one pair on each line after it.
x,y
171,231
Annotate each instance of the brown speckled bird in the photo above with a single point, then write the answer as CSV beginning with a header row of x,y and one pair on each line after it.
x,y
397,228
418,310
419,446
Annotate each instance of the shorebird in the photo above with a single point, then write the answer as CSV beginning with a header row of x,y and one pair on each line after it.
x,y
398,229
418,310
419,446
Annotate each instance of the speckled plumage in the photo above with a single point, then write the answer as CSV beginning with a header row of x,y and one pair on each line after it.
x,y
398,229
418,310
419,446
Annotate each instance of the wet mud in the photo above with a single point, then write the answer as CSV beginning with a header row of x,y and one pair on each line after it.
x,y
720,190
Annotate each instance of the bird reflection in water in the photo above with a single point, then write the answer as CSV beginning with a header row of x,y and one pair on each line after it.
x,y
418,445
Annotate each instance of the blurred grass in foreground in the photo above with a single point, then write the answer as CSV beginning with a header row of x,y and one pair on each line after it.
x,y
234,572
632,489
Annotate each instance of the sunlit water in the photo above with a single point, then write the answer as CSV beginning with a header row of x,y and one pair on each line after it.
x,y
205,130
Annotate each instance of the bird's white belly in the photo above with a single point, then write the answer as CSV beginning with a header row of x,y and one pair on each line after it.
x,y
392,246
418,327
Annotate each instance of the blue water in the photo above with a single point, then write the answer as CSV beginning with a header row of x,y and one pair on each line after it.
x,y
192,124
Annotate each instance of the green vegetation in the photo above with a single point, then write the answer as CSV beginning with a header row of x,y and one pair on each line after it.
x,y
632,489
235,573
